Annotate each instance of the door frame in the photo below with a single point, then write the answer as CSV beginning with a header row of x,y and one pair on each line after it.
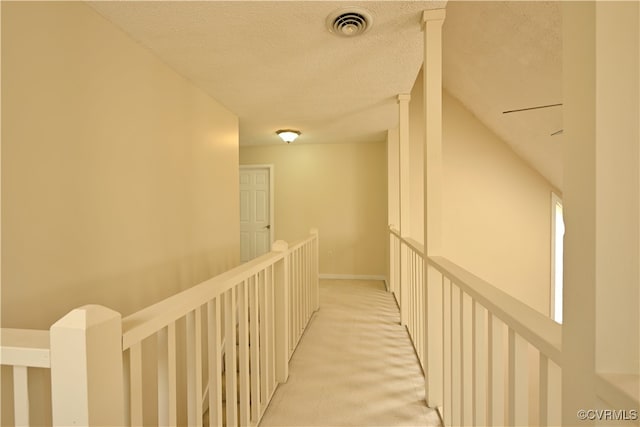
x,y
272,216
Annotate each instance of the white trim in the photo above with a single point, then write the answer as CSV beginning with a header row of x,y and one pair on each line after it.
x,y
326,276
272,215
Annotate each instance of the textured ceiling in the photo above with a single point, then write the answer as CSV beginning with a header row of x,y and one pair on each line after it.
x,y
275,65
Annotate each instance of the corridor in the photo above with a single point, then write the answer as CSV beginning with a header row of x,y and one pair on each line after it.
x,y
355,365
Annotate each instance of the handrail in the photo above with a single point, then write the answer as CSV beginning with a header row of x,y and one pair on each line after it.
x,y
25,347
542,332
413,244
149,320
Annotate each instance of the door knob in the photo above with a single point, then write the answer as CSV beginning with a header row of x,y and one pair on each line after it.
x,y
268,227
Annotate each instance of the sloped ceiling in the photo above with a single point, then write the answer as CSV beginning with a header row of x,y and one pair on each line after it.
x,y
500,56
276,65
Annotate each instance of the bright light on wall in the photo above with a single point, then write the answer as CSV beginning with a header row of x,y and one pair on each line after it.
x,y
557,252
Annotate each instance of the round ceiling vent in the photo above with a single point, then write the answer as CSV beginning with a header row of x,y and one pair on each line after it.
x,y
349,22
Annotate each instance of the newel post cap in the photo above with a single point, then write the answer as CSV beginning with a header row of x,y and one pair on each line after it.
x,y
279,246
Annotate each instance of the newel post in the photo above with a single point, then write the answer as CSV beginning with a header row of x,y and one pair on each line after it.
x,y
86,368
281,290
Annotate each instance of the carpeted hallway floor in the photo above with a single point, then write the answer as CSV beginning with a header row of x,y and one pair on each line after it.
x,y
354,366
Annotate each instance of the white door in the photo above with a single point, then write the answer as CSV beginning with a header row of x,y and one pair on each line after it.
x,y
255,212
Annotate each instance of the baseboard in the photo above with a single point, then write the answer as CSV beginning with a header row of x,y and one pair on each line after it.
x,y
324,276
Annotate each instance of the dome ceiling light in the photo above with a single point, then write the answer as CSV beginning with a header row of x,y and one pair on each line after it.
x,y
288,135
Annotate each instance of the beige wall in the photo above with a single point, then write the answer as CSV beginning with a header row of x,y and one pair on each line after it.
x,y
497,209
119,177
339,188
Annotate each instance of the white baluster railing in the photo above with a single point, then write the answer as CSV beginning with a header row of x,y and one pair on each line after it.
x,y
228,339
240,329
303,288
497,358
407,269
23,350
501,358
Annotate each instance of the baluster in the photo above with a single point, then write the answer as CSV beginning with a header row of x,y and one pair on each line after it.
x,y
163,377
291,305
271,322
447,347
194,367
463,350
135,384
392,265
409,288
230,368
414,298
398,270
554,394
167,415
314,270
298,286
456,359
404,286
433,296
495,377
305,291
300,296
543,389
479,343
281,305
254,346
416,307
309,279
422,309
518,387
173,377
265,353
468,382
20,396
243,350
294,302
214,340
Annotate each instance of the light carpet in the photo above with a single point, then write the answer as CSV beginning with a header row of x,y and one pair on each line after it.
x,y
354,366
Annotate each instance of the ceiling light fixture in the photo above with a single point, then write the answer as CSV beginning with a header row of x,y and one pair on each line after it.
x,y
288,135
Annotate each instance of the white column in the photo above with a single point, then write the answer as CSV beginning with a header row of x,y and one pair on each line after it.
x,y
600,196
405,199
432,75
617,188
393,205
393,178
86,368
